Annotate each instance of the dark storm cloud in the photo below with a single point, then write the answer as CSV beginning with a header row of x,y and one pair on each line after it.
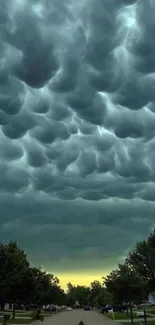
x,y
61,236
77,125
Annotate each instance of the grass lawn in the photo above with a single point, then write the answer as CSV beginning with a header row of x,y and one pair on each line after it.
x,y
24,314
149,322
22,311
18,321
46,315
19,317
4,312
30,315
119,315
148,309
17,312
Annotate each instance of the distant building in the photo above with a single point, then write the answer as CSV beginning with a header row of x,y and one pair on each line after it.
x,y
151,298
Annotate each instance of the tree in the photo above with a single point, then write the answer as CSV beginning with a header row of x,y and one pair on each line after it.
x,y
151,239
13,270
124,284
142,258
95,287
108,298
71,297
80,294
54,294
96,292
45,287
96,295
57,296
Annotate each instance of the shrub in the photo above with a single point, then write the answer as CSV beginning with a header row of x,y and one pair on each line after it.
x,y
36,315
6,319
41,318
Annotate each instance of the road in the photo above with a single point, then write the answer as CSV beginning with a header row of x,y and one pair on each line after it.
x,y
75,316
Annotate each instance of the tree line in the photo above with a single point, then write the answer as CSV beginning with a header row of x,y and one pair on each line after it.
x,y
134,280
22,284
131,281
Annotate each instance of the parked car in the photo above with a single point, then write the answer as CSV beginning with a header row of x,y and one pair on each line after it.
x,y
69,308
32,307
87,308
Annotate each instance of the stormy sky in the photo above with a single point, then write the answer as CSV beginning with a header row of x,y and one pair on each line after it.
x,y
77,128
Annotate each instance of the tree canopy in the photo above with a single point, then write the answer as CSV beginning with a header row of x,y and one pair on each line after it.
x,y
20,283
124,284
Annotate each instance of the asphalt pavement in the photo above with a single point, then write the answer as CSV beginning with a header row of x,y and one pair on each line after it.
x,y
75,316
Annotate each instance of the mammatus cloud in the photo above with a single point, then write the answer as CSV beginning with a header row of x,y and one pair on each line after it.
x,y
77,117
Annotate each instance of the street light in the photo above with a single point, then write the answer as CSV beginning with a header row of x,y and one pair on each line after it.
x,y
129,289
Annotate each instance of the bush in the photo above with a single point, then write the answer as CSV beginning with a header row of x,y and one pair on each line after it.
x,y
33,315
36,315
6,319
41,318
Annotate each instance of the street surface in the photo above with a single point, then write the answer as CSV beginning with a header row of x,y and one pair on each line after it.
x,y
75,316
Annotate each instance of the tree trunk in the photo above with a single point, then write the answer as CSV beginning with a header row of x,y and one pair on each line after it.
x,y
127,311
2,305
14,310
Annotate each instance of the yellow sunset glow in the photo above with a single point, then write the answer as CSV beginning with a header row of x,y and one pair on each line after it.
x,y
77,279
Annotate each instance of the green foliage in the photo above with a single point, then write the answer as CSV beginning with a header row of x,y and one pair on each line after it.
x,y
124,284
142,258
136,278
14,266
36,315
22,284
95,295
78,294
41,318
6,319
